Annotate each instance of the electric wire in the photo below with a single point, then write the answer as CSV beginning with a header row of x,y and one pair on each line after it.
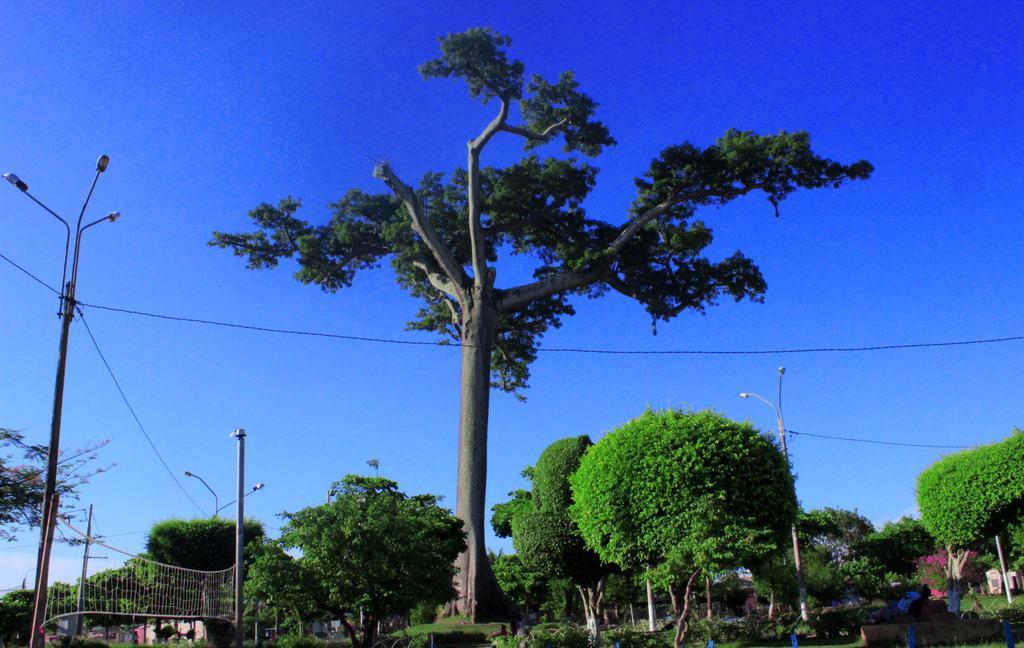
x,y
32,276
131,409
879,442
445,344
581,350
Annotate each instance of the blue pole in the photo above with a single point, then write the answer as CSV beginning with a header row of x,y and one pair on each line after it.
x,y
711,643
1008,633
792,640
911,636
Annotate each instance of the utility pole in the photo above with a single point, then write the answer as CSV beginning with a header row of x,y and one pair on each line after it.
x,y
239,434
67,313
81,582
801,584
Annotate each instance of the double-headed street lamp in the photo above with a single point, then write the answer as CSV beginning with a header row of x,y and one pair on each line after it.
x,y
67,313
804,612
258,486
216,507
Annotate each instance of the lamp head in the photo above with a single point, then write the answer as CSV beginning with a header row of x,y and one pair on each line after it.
x,y
258,486
113,216
782,370
102,162
744,395
188,474
238,433
16,181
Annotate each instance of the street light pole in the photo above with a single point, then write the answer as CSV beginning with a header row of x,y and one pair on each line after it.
x,y
239,434
215,500
801,584
67,313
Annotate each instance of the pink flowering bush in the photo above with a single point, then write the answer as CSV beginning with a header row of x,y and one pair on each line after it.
x,y
931,570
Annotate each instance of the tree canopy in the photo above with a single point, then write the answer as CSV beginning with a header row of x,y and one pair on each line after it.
x,y
973,494
23,473
206,544
283,582
545,536
443,237
375,549
683,493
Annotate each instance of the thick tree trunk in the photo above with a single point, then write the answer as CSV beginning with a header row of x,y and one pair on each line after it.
x,y
479,596
592,609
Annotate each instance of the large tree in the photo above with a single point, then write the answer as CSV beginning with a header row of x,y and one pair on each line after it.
x,y
443,237
683,494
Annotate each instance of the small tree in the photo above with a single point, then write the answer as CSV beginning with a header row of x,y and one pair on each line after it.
x,y
684,494
971,495
898,545
548,540
23,473
377,550
526,588
837,531
443,238
16,617
283,583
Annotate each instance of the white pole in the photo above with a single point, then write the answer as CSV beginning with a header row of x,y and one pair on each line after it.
x,y
239,434
652,622
1002,568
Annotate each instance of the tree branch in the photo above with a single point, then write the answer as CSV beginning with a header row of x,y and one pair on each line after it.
x,y
530,135
438,280
520,296
422,226
476,231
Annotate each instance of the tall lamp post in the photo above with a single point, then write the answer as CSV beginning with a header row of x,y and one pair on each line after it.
x,y
804,613
212,492
67,313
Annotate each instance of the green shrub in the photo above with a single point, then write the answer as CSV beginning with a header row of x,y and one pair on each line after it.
x,y
457,638
295,641
508,641
1012,613
562,637
632,638
423,613
721,631
836,622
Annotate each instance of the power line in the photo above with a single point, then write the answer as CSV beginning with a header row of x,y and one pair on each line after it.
x,y
32,276
878,442
445,344
134,415
266,329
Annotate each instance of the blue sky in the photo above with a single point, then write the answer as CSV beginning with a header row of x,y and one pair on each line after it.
x,y
208,110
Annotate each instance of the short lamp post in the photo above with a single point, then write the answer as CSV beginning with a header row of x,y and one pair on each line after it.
x,y
67,313
801,584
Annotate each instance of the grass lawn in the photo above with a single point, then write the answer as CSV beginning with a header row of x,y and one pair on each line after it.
x,y
451,624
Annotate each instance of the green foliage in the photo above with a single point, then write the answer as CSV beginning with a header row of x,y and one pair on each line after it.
x,y
204,543
282,581
503,512
868,577
558,637
897,545
683,491
15,616
526,588
545,537
299,641
630,638
22,477
375,548
428,612
838,531
824,581
837,622
535,207
970,495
